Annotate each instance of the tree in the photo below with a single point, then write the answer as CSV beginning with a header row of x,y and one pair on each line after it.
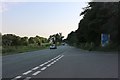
x,y
56,38
98,18
38,40
31,40
24,41
10,40
72,38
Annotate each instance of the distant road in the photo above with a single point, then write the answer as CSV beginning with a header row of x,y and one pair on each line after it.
x,y
64,62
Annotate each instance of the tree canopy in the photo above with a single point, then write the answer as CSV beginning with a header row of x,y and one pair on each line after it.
x,y
56,38
13,40
98,18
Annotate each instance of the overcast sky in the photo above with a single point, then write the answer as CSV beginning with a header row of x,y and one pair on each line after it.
x,y
40,18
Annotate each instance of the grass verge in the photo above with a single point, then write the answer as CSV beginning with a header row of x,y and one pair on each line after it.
x,y
9,50
92,47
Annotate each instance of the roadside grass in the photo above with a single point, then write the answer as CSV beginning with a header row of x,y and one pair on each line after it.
x,y
109,48
9,50
92,47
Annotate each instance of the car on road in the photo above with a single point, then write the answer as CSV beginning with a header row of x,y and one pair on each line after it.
x,y
53,46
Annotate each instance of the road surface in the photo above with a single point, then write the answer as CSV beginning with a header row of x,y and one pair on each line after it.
x,y
63,62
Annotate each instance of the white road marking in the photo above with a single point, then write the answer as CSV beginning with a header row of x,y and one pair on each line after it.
x,y
43,68
57,56
35,68
52,59
62,55
57,59
36,73
52,63
27,78
49,61
48,65
27,72
18,77
45,62
42,65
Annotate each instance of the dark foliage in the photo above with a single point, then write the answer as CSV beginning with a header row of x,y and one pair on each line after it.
x,y
99,17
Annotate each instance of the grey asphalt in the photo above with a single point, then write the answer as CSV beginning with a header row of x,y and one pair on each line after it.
x,y
75,63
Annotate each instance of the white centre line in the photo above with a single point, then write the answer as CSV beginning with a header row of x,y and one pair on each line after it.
x,y
48,65
45,62
52,59
35,68
42,65
27,78
57,59
43,68
16,78
57,56
27,72
49,61
52,63
36,73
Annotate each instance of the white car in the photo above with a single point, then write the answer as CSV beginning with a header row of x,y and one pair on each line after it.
x,y
53,46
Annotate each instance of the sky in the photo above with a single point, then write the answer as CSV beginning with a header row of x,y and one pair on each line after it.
x,y
40,18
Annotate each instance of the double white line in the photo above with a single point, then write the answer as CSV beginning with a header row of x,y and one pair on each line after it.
x,y
54,60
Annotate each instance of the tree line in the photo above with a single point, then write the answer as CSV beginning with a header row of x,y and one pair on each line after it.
x,y
14,40
98,18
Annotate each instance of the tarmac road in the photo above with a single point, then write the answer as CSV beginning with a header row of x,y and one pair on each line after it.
x,y
63,62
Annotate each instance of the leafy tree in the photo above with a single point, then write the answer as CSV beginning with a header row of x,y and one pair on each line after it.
x,y
24,41
56,38
10,40
31,40
98,17
38,40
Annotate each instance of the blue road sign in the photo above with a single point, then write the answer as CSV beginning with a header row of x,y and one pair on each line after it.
x,y
104,39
